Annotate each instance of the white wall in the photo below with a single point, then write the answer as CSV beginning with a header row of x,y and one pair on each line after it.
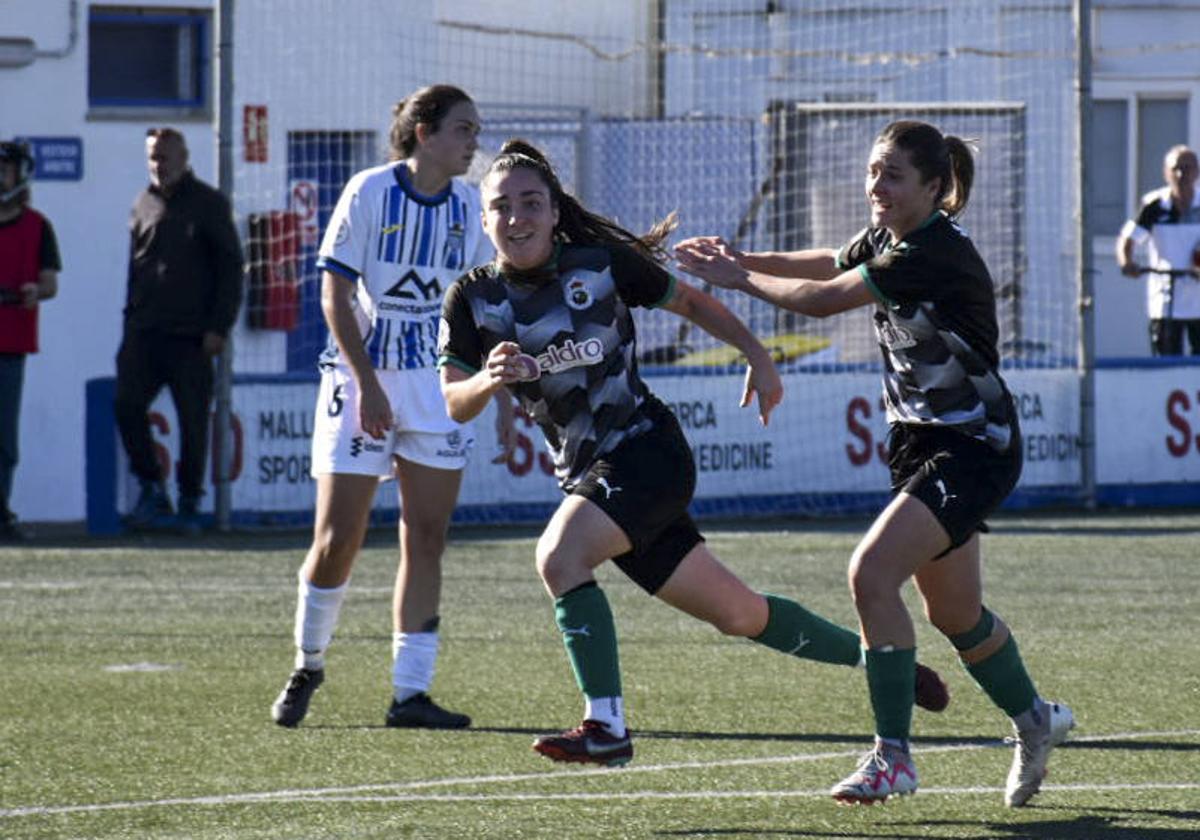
x,y
81,328
318,70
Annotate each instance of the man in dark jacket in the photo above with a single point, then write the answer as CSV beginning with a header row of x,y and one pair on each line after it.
x,y
185,273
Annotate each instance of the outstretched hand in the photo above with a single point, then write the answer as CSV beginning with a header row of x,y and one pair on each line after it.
x,y
763,379
711,259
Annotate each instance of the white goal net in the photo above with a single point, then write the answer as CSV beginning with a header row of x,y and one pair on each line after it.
x,y
752,119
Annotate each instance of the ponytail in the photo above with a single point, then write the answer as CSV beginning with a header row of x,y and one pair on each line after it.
x,y
962,176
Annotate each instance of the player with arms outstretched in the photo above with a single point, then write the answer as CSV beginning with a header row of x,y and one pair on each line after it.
x,y
954,445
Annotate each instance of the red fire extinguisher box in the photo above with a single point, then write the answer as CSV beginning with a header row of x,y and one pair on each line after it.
x,y
273,271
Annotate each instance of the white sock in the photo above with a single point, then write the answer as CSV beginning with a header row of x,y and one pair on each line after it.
x,y
316,617
414,656
607,710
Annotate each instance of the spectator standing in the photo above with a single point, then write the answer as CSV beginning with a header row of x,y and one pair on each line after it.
x,y
29,266
185,285
1168,226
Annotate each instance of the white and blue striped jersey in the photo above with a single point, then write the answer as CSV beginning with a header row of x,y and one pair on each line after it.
x,y
403,250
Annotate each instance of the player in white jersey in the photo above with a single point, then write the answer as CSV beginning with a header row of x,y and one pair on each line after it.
x,y
400,234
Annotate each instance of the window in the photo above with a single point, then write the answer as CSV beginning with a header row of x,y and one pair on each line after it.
x,y
144,61
1110,206
1130,135
1161,124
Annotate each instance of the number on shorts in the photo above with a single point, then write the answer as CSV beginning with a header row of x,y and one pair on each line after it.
x,y
337,401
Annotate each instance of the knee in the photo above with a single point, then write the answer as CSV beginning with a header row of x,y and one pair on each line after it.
x,y
953,618
549,562
740,622
129,407
426,536
556,566
869,585
331,549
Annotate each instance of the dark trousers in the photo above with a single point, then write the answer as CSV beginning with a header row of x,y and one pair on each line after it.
x,y
12,380
145,363
1166,336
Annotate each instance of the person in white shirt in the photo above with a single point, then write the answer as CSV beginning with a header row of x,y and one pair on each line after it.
x,y
1168,227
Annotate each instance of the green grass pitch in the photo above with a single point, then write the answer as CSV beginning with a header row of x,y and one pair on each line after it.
x,y
136,677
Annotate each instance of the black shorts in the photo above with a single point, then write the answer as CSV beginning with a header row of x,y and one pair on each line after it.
x,y
960,479
645,485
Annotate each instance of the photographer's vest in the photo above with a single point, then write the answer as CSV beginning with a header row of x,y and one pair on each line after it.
x,y
20,249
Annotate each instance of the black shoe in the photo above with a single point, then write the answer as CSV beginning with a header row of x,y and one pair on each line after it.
x,y
291,705
10,532
153,508
188,522
420,712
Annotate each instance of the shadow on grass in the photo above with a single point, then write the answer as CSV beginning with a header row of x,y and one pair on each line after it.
x,y
854,739
1087,827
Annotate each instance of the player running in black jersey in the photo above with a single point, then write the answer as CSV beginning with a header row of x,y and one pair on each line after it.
x,y
551,320
954,447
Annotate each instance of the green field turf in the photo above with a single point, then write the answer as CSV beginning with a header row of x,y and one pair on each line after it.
x,y
136,679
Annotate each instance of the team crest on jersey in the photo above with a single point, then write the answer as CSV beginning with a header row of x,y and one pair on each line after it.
x,y
578,295
343,233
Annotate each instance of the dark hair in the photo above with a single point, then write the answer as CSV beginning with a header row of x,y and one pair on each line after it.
x,y
428,105
21,158
167,133
576,223
947,158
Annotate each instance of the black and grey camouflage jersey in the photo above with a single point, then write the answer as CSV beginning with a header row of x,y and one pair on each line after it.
x,y
935,319
574,318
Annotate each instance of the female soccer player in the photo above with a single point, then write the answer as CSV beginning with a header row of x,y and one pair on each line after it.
x,y
398,237
954,448
551,320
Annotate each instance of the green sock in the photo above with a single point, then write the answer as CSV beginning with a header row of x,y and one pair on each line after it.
x,y
590,637
1002,676
793,629
891,679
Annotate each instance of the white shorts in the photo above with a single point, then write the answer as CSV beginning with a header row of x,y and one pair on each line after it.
x,y
422,431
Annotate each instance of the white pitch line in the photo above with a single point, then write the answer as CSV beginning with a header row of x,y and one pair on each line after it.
x,y
166,588
720,794
351,793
